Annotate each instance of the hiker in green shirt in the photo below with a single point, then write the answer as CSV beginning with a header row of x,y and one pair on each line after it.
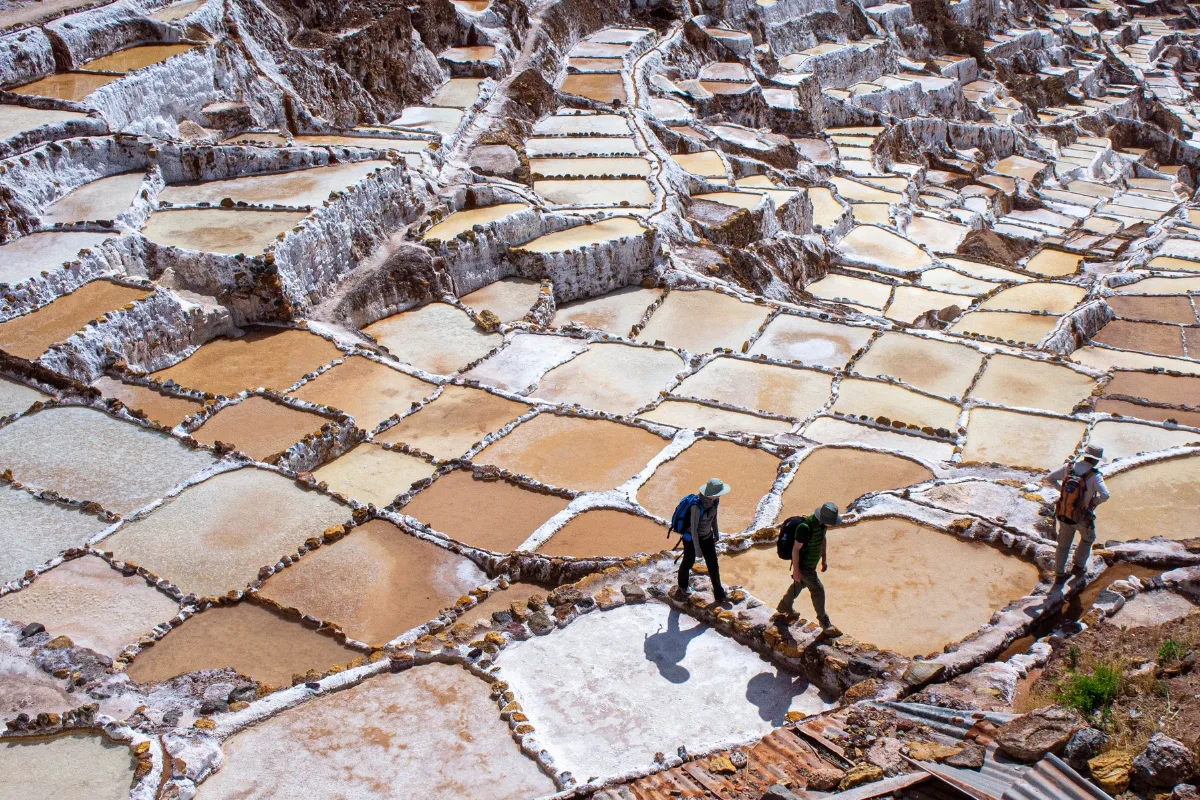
x,y
809,550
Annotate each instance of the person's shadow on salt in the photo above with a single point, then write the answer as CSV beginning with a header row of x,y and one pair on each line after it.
x,y
772,693
666,649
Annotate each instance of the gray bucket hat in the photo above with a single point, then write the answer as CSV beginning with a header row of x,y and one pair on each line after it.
x,y
1093,453
714,488
828,514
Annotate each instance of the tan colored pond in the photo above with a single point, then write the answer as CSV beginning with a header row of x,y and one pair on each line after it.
x,y
74,86
938,235
1161,286
1008,325
92,603
581,146
218,230
258,427
198,540
178,11
843,474
861,193
1056,298
1124,439
619,166
1108,405
465,220
71,765
1104,359
1176,309
251,638
859,291
1054,263
437,338
616,312
583,124
682,414
940,367
882,248
469,53
875,399
582,454
524,360
371,474
831,430
749,471
459,418
986,272
103,199
887,583
746,200
586,192
581,236
440,120
1026,383
947,280
603,87
1019,167
461,748
607,533
615,378
1147,337
1157,388
273,358
18,119
509,298
136,57
792,392
706,163
1020,440
826,210
910,302
366,390
398,580
699,321
304,187
29,336
1147,501
160,408
589,64
824,344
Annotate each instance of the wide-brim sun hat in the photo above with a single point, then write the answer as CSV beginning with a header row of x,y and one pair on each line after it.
x,y
828,514
1094,454
715,487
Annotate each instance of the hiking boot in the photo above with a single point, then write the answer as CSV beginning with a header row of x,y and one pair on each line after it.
x,y
1079,572
681,593
787,617
830,631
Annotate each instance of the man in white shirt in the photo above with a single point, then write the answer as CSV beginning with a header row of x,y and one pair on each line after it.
x,y
1083,490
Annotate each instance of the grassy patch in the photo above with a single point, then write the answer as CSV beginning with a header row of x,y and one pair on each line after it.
x,y
1170,650
1092,691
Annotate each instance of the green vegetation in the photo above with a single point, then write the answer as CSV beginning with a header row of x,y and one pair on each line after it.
x,y
1170,650
1091,692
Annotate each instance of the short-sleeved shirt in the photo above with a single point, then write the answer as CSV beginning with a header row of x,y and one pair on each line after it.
x,y
810,536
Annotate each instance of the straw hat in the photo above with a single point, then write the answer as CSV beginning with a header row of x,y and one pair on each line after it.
x,y
714,488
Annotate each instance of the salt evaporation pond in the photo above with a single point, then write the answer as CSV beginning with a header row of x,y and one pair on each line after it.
x,y
459,418
16,397
698,321
719,420
27,257
1027,383
19,119
371,474
30,335
749,471
271,358
304,187
616,312
607,533
606,230
39,530
465,220
136,57
259,427
105,198
1150,500
510,299
70,765
943,368
164,409
791,337
74,86
1020,440
437,338
841,475
790,392
219,230
366,390
614,378
876,399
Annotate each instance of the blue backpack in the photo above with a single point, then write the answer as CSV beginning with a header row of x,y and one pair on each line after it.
x,y
680,517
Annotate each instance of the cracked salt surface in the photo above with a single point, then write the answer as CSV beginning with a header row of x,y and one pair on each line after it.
x,y
682,683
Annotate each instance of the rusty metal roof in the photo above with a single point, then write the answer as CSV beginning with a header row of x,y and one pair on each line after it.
x,y
1053,779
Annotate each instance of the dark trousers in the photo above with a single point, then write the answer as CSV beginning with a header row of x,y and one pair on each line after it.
x,y
708,547
811,581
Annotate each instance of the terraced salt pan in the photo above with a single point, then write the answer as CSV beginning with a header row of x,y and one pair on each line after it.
x,y
524,360
888,584
1123,439
947,280
459,418
1020,440
16,397
843,474
1027,383
30,335
85,454
986,272
1151,609
70,765
27,257
178,11
441,120
160,408
606,230
509,298
1107,405
73,86
943,368
251,638
102,199
1155,387
1056,298
719,420
457,92
580,146
609,192
1147,337
1161,286
371,474
305,187
883,249
936,234
588,167
1148,501
407,146
271,358
465,220
437,338
582,454
699,321
38,531
1015,326
615,378
1053,263
1104,359
1176,309
812,342
399,582
910,302
829,430
582,124
603,87
677,672
136,57
219,230
460,749
451,505
259,427
796,393
607,533
92,603
706,163
749,471
857,396
826,210
616,312
201,540
24,687
872,294
366,390
15,119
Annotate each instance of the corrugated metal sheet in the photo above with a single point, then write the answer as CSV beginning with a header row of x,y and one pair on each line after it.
x,y
1053,779
885,786
946,721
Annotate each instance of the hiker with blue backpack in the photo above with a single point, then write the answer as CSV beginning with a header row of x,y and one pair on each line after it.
x,y
1075,512
802,541
695,520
